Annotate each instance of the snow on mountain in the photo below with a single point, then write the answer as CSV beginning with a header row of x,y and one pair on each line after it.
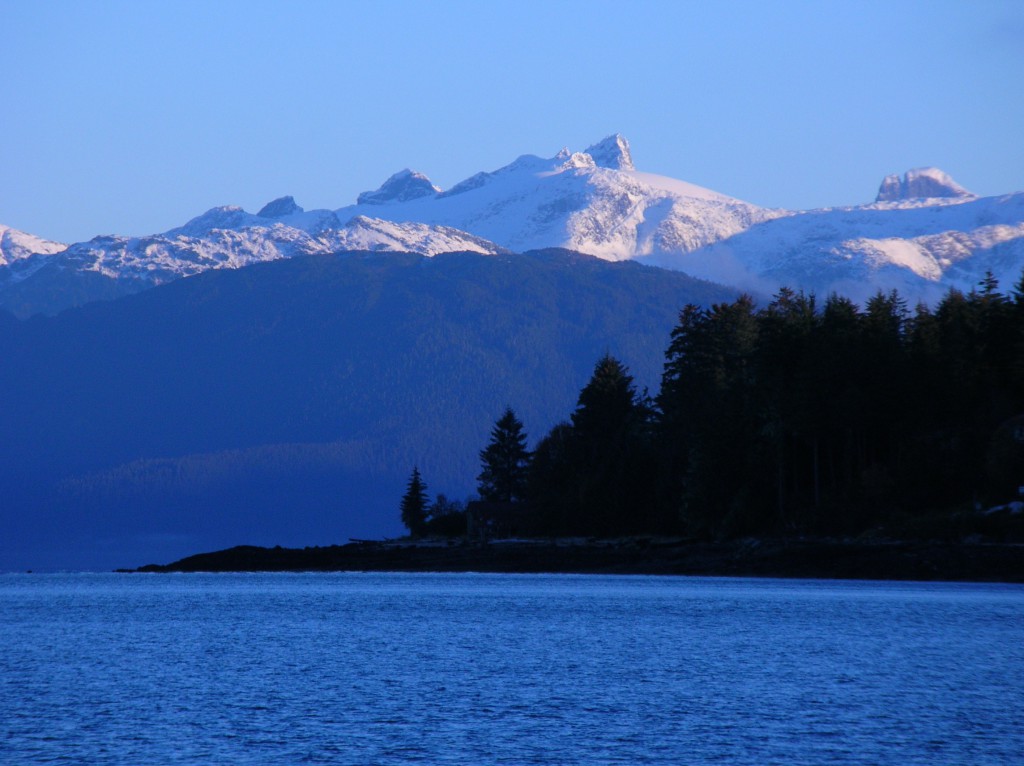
x,y
17,245
403,186
228,237
188,250
224,237
591,201
920,183
919,247
923,234
363,233
612,152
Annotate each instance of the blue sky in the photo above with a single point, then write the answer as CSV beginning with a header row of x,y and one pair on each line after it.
x,y
132,117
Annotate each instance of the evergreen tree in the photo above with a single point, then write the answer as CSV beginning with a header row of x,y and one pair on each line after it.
x,y
1016,362
504,461
611,439
414,504
708,413
549,483
989,284
608,404
840,359
788,393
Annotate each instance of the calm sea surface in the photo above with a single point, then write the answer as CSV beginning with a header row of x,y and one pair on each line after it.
x,y
505,669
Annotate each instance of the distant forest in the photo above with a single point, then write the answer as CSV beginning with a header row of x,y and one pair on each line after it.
x,y
793,418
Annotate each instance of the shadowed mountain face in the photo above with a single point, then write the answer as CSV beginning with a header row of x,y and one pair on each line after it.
x,y
288,401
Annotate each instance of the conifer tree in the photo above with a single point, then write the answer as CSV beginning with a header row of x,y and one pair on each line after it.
x,y
414,504
608,404
608,456
504,461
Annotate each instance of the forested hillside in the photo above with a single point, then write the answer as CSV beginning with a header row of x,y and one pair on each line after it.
x,y
803,417
285,402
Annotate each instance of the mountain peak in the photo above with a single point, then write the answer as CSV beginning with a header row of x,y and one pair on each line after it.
x,y
15,245
579,160
279,208
222,217
403,186
612,152
920,183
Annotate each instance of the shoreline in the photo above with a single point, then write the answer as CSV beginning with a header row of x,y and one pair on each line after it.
x,y
783,558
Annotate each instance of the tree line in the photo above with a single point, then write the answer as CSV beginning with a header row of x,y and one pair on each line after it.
x,y
794,417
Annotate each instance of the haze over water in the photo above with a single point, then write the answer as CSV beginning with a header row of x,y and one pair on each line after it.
x,y
487,669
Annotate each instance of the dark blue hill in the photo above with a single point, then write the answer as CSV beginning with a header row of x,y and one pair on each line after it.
x,y
286,402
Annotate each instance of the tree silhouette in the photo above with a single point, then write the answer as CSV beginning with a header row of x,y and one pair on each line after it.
x,y
800,417
504,461
609,443
414,504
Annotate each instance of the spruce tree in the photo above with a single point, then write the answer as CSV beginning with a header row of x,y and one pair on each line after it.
x,y
609,460
504,461
414,504
608,405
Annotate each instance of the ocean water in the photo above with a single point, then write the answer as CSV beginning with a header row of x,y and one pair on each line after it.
x,y
507,669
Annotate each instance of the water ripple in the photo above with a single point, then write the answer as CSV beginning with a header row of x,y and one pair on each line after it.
x,y
493,669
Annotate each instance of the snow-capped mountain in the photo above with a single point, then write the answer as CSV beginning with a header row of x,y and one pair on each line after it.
x,y
17,245
224,237
228,237
921,246
592,201
923,234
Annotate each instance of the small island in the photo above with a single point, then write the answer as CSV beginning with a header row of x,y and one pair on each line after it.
x,y
797,558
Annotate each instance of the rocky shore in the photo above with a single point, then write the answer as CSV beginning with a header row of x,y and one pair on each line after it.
x,y
797,558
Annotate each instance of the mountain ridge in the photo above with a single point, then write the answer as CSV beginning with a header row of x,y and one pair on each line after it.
x,y
595,202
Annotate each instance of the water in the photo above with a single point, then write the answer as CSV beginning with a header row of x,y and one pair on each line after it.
x,y
504,669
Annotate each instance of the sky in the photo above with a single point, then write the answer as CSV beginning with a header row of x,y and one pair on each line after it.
x,y
131,118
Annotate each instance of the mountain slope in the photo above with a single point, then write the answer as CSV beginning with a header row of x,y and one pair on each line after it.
x,y
923,234
922,247
286,402
225,237
592,201
17,245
